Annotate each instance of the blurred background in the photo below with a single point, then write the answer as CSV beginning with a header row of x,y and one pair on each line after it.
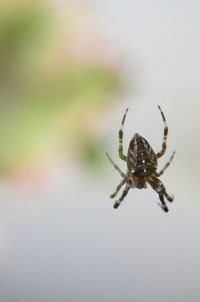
x,y
68,71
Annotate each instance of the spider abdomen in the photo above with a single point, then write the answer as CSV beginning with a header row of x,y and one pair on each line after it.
x,y
141,159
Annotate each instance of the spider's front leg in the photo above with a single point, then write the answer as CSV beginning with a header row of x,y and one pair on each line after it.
x,y
164,144
120,150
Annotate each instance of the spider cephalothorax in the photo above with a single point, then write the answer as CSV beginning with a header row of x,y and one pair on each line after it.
x,y
141,165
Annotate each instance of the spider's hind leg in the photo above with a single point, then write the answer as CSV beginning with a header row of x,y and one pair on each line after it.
x,y
163,204
118,188
117,202
158,186
169,198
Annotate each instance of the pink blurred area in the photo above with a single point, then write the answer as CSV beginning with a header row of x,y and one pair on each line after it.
x,y
59,75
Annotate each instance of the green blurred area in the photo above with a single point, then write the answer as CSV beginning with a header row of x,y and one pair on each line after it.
x,y
47,92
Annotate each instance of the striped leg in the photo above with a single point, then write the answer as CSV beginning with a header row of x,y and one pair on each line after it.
x,y
164,145
165,166
117,203
120,150
118,188
115,166
158,186
169,198
163,204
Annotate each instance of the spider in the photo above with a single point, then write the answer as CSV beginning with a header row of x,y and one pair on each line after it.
x,y
141,165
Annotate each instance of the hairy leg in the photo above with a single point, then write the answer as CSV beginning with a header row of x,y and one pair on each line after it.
x,y
120,150
115,166
164,144
117,202
118,188
166,165
169,198
163,204
158,186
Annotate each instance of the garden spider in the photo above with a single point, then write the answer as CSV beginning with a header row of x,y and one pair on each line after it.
x,y
141,165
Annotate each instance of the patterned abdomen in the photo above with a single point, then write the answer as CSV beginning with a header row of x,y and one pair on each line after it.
x,y
141,159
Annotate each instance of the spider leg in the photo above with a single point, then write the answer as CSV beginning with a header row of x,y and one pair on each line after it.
x,y
166,165
118,188
115,166
163,204
169,198
158,186
164,144
120,150
117,202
